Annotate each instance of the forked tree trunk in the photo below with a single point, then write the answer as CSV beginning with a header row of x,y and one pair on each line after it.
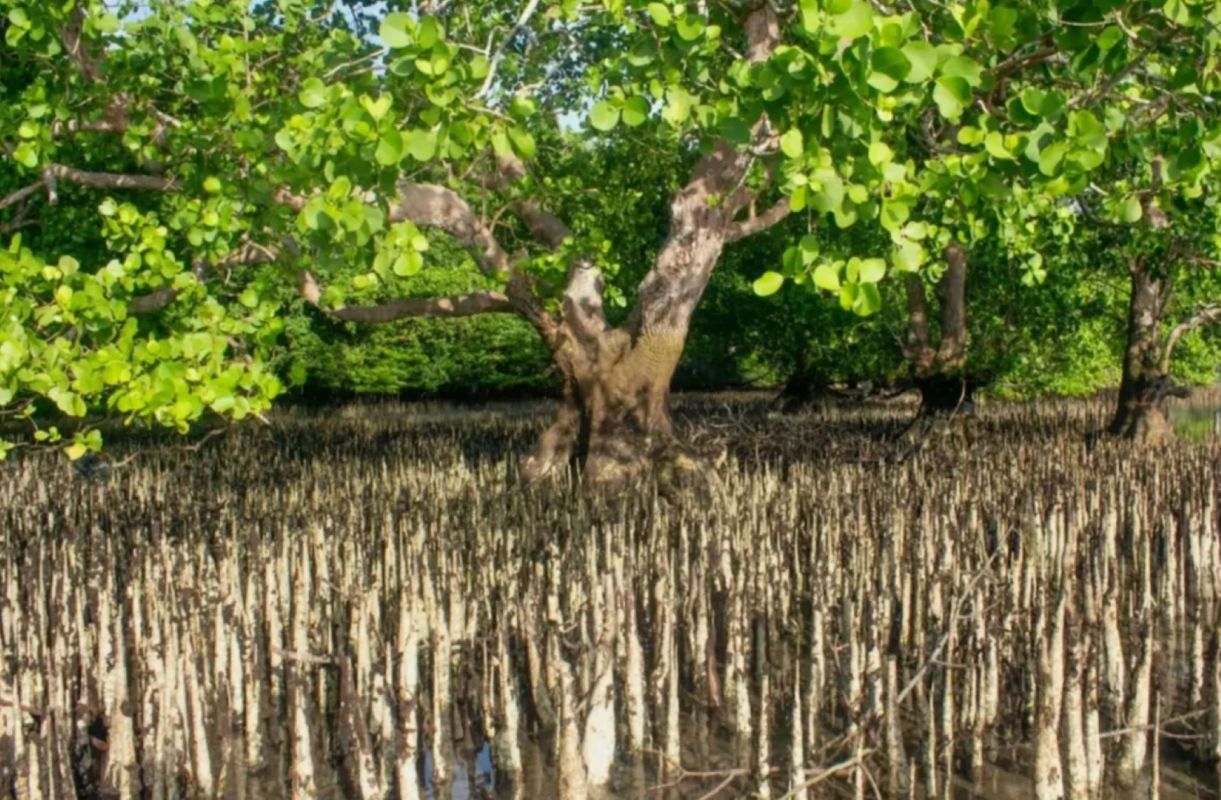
x,y
616,381
615,406
940,372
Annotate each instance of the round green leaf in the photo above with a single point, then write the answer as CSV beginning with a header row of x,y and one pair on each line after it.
x,y
313,93
389,147
922,57
768,283
635,110
396,30
871,270
421,144
908,256
826,277
1130,210
603,116
855,22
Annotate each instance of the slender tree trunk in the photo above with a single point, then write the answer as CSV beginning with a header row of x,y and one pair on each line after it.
x,y
940,372
1141,409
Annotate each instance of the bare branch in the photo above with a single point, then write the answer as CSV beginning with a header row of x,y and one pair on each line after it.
x,y
21,194
72,36
53,173
460,305
758,222
1207,315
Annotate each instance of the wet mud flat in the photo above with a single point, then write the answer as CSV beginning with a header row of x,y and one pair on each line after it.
x,y
352,605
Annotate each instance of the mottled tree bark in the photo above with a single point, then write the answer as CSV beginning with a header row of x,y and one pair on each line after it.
x,y
940,371
615,406
1141,409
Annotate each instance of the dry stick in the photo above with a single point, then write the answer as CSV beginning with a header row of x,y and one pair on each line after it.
x,y
852,763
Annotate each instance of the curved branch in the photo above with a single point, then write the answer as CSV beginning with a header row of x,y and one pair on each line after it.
x,y
460,305
439,207
758,222
1208,314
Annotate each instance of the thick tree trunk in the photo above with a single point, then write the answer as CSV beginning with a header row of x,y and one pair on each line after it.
x,y
1141,409
614,411
615,408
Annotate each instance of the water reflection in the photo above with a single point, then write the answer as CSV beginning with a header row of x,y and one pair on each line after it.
x,y
461,786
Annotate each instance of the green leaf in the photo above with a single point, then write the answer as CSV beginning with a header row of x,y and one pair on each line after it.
x,y
994,143
76,450
868,300
1130,210
523,142
871,270
908,256
962,67
1177,11
880,153
25,155
922,57
1051,156
429,32
635,110
1033,99
768,283
678,105
389,147
952,94
377,108
19,18
421,144
660,14
106,23
690,27
211,185
603,116
826,277
396,30
792,143
853,23
892,63
829,194
313,93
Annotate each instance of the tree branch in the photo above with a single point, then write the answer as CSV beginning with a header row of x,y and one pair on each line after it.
x,y
439,207
522,20
758,222
460,305
1208,314
53,173
248,253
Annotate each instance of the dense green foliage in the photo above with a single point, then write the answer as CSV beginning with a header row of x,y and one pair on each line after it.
x,y
170,171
